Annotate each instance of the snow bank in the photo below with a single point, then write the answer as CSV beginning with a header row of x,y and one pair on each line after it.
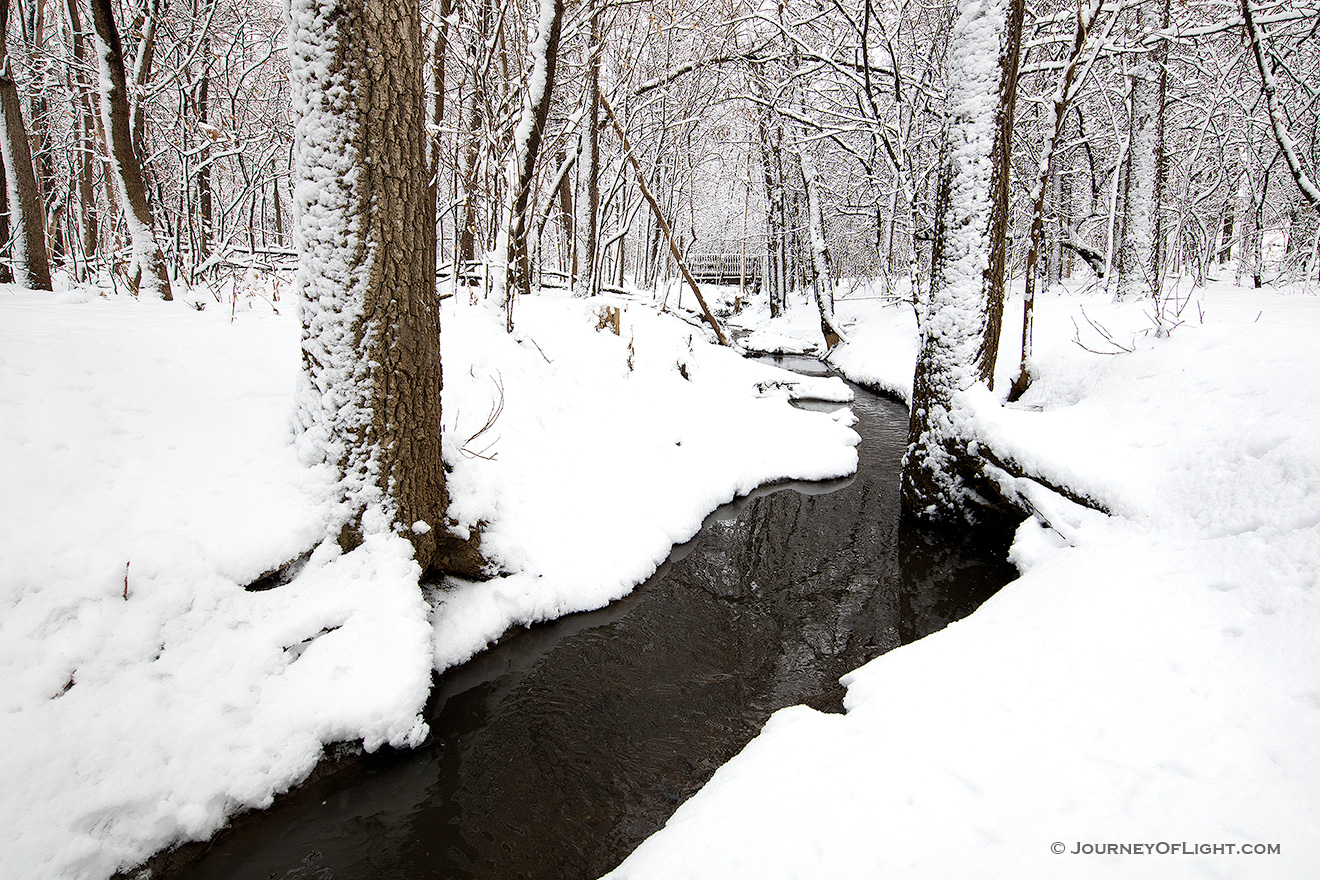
x,y
1152,678
148,471
596,470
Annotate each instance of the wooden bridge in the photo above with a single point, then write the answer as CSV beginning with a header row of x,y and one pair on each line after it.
x,y
725,269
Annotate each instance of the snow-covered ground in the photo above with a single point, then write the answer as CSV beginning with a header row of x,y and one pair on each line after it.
x,y
148,472
1149,687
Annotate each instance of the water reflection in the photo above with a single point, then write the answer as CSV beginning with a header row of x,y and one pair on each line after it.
x,y
557,752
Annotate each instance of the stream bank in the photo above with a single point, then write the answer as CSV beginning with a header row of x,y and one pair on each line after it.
x,y
557,751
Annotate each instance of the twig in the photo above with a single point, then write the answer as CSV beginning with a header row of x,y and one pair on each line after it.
x,y
1104,333
538,348
496,409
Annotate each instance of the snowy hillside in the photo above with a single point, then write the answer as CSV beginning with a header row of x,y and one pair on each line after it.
x,y
1152,678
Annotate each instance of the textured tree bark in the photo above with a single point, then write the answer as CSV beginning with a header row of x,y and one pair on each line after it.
x,y
27,214
1001,162
147,273
943,478
43,143
564,195
199,102
370,398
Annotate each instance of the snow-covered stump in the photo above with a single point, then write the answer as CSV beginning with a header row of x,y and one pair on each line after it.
x,y
959,321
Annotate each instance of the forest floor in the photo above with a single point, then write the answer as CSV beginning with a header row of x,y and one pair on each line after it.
x,y
1148,689
148,472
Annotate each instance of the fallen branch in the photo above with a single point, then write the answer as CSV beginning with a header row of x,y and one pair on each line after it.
x,y
660,217
1017,470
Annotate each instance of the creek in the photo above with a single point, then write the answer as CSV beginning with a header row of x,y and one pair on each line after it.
x,y
557,751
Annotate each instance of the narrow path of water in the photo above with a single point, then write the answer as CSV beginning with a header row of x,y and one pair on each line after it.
x,y
556,752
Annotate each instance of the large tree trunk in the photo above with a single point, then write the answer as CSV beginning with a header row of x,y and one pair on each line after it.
x,y
147,272
31,260
369,403
959,321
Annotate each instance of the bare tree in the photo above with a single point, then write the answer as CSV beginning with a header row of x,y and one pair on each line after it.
x,y
147,268
1063,96
1278,122
528,135
31,262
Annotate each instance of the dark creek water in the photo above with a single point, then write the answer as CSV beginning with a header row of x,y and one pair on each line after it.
x,y
558,751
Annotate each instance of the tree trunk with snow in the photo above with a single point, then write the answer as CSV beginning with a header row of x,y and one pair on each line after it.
x,y
1063,96
84,133
1137,239
474,115
586,224
527,137
31,260
770,133
1249,197
942,475
822,271
369,401
1156,267
147,272
1001,171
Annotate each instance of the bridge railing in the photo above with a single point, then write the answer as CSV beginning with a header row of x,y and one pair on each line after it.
x,y
724,269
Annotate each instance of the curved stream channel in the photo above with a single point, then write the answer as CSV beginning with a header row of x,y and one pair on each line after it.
x,y
557,751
